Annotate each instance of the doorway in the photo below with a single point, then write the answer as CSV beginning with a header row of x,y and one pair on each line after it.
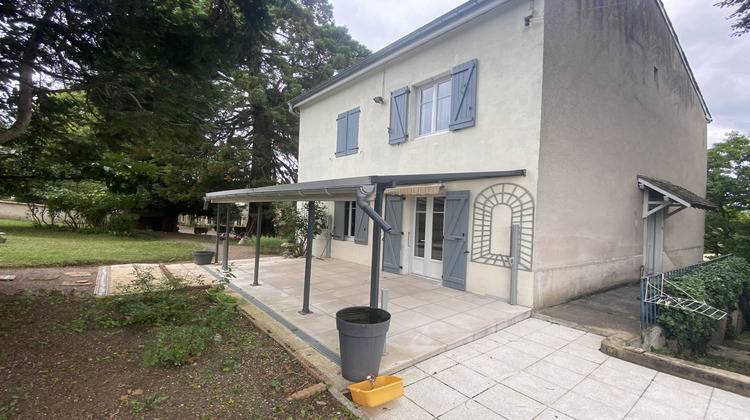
x,y
427,242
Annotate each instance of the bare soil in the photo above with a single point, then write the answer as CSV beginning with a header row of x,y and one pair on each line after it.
x,y
60,359
57,361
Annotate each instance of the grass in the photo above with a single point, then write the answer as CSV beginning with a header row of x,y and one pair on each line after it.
x,y
268,245
30,246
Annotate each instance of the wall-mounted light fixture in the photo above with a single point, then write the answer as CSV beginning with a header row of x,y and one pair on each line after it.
x,y
378,100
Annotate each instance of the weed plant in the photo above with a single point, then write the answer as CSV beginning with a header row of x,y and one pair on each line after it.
x,y
189,320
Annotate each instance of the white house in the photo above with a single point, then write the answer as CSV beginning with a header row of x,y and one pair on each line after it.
x,y
535,151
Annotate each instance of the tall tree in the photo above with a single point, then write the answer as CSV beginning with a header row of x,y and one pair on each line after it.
x,y
143,60
741,15
305,49
168,99
728,186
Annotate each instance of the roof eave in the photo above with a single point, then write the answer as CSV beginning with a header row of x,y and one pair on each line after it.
x,y
684,60
424,34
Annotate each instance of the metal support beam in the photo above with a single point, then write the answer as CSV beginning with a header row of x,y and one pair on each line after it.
x,y
375,262
218,228
308,257
225,260
257,244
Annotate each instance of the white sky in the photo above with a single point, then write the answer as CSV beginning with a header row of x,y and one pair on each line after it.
x,y
720,63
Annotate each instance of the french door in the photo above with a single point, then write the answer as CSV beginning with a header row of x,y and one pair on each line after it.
x,y
427,241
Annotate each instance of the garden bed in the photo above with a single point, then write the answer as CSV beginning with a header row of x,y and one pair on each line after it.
x,y
66,356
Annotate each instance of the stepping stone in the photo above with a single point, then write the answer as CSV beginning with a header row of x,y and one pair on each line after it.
x,y
75,283
7,277
78,274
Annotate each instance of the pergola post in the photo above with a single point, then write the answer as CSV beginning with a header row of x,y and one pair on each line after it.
x,y
308,257
225,262
218,228
257,244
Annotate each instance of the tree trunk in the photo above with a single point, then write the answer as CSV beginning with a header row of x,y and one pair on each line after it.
x,y
26,78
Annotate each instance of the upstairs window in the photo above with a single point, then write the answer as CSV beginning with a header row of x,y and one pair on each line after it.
x,y
434,107
347,133
449,104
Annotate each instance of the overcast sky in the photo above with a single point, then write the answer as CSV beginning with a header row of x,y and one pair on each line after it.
x,y
721,63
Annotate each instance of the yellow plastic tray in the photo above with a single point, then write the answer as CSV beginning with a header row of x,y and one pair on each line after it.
x,y
387,388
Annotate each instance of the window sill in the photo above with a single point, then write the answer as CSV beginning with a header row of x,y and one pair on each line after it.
x,y
433,134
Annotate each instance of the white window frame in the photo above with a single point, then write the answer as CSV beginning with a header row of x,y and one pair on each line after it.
x,y
433,112
350,220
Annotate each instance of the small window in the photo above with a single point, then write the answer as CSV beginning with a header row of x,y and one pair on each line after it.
x,y
350,222
350,216
434,107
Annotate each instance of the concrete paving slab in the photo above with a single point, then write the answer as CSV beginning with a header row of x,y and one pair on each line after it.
x,y
509,403
470,410
515,367
464,380
434,396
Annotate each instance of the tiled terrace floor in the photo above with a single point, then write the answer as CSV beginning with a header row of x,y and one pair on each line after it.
x,y
426,318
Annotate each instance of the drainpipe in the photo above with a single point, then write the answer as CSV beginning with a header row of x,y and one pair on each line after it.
x,y
527,19
292,110
362,204
376,233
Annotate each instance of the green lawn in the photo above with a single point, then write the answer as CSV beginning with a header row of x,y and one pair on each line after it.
x,y
30,246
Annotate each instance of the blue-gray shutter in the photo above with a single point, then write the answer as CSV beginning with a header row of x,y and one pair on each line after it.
x,y
341,133
352,135
463,95
361,227
394,209
455,239
397,130
338,220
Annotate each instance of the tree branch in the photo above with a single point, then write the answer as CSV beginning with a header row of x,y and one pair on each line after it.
x,y
26,73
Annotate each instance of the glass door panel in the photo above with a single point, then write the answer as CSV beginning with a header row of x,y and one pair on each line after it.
x,y
420,227
438,217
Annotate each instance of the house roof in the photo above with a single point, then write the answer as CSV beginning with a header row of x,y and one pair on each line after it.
x,y
684,59
443,24
437,27
676,193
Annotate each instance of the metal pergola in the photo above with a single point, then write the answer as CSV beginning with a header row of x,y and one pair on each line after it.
x,y
359,189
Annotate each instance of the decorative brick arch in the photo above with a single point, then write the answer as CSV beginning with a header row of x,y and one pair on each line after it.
x,y
521,205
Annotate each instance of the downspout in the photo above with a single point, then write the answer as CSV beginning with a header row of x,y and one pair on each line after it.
x,y
362,203
292,110
527,19
376,234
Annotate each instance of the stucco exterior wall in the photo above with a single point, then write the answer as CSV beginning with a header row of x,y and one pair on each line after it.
x,y
506,135
617,101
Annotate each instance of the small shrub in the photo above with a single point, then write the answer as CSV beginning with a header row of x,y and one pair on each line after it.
x,y
720,285
294,226
123,224
148,300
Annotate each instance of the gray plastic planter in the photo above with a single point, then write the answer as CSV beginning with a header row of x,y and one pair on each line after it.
x,y
362,331
203,257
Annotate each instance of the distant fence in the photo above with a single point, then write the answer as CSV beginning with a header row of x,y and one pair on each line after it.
x,y
650,311
13,210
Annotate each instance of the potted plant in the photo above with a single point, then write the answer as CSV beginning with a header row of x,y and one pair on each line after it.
x,y
203,257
